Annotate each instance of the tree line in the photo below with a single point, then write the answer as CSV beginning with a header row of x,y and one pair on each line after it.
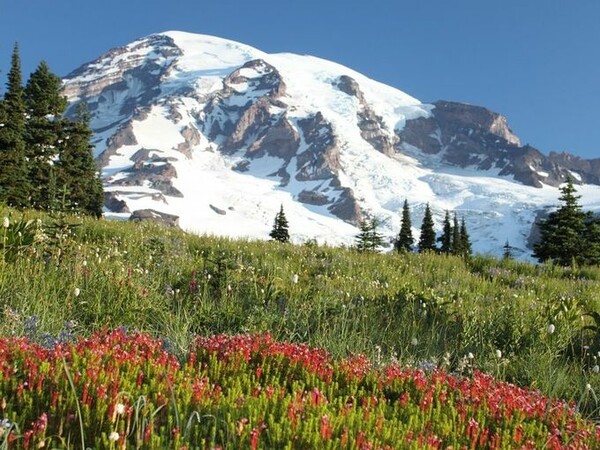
x,y
46,159
453,240
568,235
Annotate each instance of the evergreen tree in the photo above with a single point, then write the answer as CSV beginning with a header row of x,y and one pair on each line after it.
x,y
369,239
362,238
405,239
376,239
464,239
445,239
562,234
280,227
43,95
14,186
456,247
507,254
427,238
45,106
76,173
591,253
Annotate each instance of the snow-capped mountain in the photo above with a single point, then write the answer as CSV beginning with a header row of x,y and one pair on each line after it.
x,y
221,134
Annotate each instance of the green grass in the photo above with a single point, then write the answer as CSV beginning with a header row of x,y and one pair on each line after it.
x,y
414,309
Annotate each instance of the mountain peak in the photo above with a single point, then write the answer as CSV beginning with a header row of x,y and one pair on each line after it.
x,y
222,134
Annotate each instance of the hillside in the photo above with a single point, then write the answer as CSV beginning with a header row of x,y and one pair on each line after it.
x,y
70,277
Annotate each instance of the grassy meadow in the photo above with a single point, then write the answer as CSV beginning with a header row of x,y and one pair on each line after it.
x,y
65,279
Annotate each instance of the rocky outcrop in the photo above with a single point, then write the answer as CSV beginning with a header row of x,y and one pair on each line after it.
x,y
114,204
219,211
321,159
136,71
280,140
152,215
256,76
157,175
247,103
471,136
191,138
123,136
587,170
346,207
372,128
313,198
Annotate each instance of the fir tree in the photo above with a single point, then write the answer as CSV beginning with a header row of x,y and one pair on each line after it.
x,y
592,238
77,175
457,244
45,106
14,186
445,239
562,233
465,241
507,253
369,238
280,227
405,239
427,238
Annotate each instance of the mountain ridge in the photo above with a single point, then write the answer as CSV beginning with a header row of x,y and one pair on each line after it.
x,y
192,124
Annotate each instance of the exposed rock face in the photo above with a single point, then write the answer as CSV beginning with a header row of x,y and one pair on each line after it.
x,y
152,215
219,211
347,208
192,138
313,198
472,136
321,159
588,169
370,124
134,80
123,136
158,175
114,204
248,114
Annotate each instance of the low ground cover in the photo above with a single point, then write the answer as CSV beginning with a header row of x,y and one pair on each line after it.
x,y
123,390
537,327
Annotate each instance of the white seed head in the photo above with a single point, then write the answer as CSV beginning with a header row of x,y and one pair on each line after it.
x,y
120,409
596,368
113,437
76,292
470,355
551,328
414,341
6,222
588,387
498,354
295,278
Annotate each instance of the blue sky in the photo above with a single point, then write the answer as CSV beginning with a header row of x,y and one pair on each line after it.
x,y
535,61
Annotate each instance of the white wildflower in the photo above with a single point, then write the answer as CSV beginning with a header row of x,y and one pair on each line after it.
x,y
113,437
414,341
295,278
6,222
596,368
551,328
76,292
470,355
120,409
498,354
